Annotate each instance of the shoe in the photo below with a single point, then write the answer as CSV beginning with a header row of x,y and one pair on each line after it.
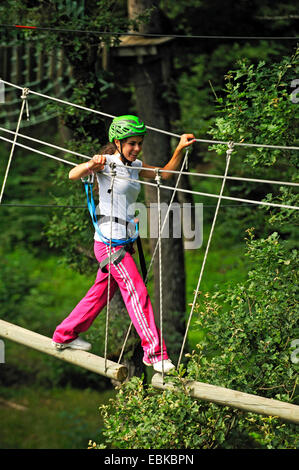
x,y
77,343
158,366
167,366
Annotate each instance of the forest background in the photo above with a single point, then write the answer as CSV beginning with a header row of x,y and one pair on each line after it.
x,y
217,88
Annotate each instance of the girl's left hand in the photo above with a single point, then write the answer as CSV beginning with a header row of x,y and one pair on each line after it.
x,y
186,140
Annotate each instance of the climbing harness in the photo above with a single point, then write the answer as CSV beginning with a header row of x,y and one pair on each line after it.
x,y
126,245
88,183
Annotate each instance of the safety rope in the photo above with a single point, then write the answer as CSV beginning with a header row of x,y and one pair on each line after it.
x,y
62,149
228,157
189,191
188,173
185,162
110,191
40,152
199,193
158,181
24,103
242,144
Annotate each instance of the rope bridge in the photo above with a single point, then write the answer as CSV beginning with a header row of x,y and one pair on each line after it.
x,y
114,370
199,390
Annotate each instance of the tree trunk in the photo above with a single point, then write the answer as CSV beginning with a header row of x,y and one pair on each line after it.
x,y
150,80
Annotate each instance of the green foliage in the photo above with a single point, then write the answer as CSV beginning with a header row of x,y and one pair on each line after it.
x,y
200,85
247,329
142,418
29,186
251,333
258,109
15,282
248,338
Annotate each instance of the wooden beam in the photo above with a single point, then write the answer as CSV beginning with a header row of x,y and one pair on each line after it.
x,y
82,359
235,399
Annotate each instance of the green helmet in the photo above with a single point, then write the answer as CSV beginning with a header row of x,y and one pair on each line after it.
x,y
126,126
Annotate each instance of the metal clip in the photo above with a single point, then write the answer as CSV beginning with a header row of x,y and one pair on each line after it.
x,y
113,174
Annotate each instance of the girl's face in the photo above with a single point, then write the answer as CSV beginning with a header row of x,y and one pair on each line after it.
x,y
131,147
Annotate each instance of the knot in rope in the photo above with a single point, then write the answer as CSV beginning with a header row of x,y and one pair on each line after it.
x,y
25,93
230,149
112,169
24,96
158,176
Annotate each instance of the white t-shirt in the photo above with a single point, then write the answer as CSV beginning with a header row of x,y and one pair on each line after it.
x,y
125,194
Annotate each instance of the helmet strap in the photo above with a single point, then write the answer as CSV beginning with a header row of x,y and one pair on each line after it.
x,y
123,158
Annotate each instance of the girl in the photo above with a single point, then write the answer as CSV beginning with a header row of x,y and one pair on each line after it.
x,y
126,135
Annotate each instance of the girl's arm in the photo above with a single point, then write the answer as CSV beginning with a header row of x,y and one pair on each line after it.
x,y
173,164
97,163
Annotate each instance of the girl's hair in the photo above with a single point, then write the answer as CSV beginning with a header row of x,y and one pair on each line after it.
x,y
108,149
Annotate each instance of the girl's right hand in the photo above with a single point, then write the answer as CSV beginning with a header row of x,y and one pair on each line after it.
x,y
97,163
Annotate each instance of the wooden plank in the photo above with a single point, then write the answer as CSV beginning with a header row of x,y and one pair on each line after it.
x,y
82,359
235,399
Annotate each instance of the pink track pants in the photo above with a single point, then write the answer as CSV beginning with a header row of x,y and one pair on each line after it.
x,y
126,276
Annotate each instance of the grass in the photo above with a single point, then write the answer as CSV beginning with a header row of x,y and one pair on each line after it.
x,y
56,418
222,267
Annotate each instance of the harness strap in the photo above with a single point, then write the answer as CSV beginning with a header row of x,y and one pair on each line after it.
x,y
92,210
119,255
115,259
141,258
106,218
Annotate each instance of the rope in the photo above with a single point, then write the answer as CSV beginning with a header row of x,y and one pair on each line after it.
x,y
243,144
228,156
157,245
180,172
110,190
39,151
234,178
47,144
168,210
248,201
158,181
151,35
24,102
198,193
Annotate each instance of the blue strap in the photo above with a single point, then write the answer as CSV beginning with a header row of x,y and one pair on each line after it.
x,y
92,210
